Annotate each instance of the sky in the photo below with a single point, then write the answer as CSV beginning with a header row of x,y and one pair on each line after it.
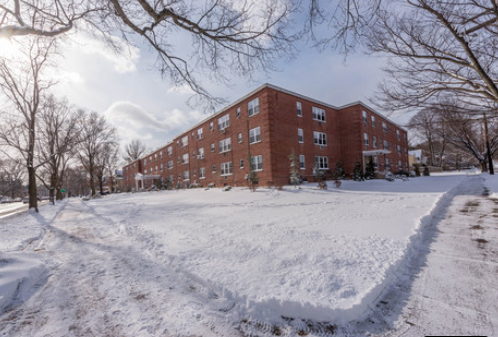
x,y
142,105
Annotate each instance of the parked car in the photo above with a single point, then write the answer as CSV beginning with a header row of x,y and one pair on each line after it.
x,y
25,200
5,200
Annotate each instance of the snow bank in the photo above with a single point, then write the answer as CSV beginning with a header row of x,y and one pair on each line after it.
x,y
309,254
19,275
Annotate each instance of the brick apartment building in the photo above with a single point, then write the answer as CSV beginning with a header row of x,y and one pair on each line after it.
x,y
267,125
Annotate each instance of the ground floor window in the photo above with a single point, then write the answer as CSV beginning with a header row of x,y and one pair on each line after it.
x,y
321,163
202,173
226,168
257,162
302,164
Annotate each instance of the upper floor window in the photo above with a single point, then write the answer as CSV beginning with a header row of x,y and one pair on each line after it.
x,y
239,137
299,109
238,112
170,151
300,135
185,158
366,139
161,155
225,145
162,167
398,135
399,150
199,133
212,147
223,122
170,164
319,114
255,135
365,117
374,141
211,126
201,153
384,127
386,145
320,138
253,107
373,121
155,156
184,141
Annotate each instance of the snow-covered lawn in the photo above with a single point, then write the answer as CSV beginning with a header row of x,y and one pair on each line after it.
x,y
306,254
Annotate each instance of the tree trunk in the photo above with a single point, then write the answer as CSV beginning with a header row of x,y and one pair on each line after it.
x,y
92,180
33,201
484,165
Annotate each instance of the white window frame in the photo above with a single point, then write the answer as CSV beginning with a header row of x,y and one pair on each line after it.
x,y
302,162
241,163
170,151
239,137
202,173
384,127
225,145
223,122
319,114
299,108
257,163
373,121
366,139
255,135
184,141
320,138
226,169
201,153
200,133
213,147
365,117
300,135
238,112
322,162
374,142
385,144
170,164
185,158
186,175
253,107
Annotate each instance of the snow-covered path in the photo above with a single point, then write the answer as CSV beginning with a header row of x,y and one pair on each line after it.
x,y
451,288
101,285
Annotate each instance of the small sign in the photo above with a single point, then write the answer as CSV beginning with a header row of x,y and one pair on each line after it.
x,y
63,190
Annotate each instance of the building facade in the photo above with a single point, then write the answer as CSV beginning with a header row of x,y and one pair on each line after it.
x,y
266,126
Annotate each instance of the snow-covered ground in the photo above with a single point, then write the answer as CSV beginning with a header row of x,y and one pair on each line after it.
x,y
213,262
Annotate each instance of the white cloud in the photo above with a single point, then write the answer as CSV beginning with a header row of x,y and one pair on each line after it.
x,y
183,89
124,58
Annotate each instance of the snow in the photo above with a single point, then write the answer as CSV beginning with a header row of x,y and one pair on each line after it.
x,y
206,255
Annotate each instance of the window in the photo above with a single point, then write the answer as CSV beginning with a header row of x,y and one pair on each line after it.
x,y
239,137
170,151
299,109
161,167
255,135
184,141
155,156
202,173
387,165
318,114
257,163
399,150
199,133
171,178
186,175
320,138
192,135
365,117
376,161
302,165
386,145
365,139
223,122
384,127
150,159
155,169
225,145
398,135
253,107
226,169
212,147
178,159
373,121
238,112
400,165
170,164
195,173
145,161
201,153
213,168
185,159
241,163
211,126
193,154
321,163
161,155
374,141
300,135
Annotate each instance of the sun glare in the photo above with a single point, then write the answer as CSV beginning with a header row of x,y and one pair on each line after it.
x,y
7,48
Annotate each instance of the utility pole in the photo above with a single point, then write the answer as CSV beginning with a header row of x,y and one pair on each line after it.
x,y
488,148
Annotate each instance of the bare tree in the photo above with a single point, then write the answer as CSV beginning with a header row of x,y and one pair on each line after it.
x,y
97,137
236,37
23,84
12,174
429,126
58,138
437,48
106,162
134,150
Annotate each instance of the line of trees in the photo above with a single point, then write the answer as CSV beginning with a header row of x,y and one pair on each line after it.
x,y
44,134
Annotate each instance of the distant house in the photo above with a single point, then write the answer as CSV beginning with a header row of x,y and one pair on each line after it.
x,y
266,126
